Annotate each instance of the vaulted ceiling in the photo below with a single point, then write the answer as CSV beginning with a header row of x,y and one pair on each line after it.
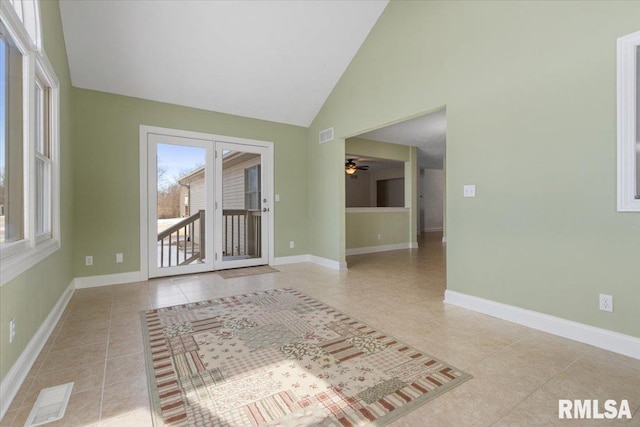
x,y
271,60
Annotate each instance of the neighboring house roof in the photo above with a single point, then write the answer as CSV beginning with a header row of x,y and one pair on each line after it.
x,y
229,159
192,176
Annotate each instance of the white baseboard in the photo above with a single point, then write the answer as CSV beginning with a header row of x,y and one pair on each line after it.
x,y
325,262
413,245
19,371
295,259
329,263
137,276
444,239
381,248
108,279
598,337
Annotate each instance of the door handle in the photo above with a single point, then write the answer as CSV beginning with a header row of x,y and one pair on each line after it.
x,y
265,209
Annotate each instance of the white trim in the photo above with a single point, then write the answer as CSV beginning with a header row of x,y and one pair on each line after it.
x,y
328,263
627,104
444,239
294,259
19,371
598,337
381,248
108,279
20,256
414,245
16,28
15,265
376,210
433,229
271,197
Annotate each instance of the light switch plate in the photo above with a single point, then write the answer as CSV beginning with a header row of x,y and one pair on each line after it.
x,y
469,191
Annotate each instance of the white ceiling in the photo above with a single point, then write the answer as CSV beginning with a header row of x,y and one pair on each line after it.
x,y
271,60
428,133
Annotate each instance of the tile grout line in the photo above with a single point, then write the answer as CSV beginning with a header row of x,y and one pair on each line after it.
x,y
106,359
496,352
539,388
60,323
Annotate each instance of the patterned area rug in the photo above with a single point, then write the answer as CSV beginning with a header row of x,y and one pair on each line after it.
x,y
247,271
281,358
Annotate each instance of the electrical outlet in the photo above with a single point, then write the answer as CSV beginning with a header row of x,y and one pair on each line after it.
x,y
119,258
606,302
88,260
469,191
292,244
379,236
12,330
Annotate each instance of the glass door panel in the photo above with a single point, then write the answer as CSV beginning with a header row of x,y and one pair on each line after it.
x,y
180,196
242,214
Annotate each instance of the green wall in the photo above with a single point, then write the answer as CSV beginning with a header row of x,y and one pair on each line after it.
x,y
30,297
530,92
363,229
107,174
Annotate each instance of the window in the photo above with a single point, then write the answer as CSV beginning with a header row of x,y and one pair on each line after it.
x,y
252,185
629,123
29,168
11,142
42,160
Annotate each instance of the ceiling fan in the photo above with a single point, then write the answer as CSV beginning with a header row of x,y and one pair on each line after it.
x,y
350,167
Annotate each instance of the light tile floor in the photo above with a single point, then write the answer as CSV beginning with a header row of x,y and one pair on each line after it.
x,y
519,373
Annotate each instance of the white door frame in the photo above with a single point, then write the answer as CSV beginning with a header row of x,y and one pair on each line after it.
x,y
145,130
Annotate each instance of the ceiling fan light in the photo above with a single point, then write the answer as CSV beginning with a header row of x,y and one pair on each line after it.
x,y
350,169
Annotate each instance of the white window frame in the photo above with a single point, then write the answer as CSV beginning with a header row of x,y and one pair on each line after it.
x,y
18,257
627,123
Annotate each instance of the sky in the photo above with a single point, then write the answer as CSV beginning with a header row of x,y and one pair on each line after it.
x,y
176,159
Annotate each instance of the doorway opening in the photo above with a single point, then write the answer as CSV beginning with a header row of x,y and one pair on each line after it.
x,y
395,185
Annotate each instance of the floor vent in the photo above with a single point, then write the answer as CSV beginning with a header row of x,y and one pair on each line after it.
x,y
326,135
50,406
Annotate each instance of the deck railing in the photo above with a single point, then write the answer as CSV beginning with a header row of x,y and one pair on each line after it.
x,y
241,233
188,237
184,242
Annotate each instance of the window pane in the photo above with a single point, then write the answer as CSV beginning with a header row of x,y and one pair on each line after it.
x,y
42,118
38,134
637,123
11,141
252,188
43,196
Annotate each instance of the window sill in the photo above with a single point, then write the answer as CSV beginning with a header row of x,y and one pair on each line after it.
x,y
15,265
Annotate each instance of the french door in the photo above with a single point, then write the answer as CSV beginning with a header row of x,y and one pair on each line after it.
x,y
242,215
180,206
208,203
